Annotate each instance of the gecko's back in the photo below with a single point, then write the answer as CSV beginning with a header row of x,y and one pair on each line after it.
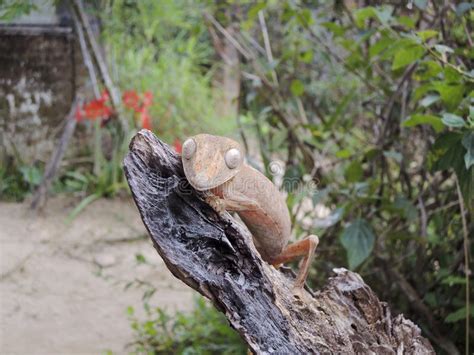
x,y
270,223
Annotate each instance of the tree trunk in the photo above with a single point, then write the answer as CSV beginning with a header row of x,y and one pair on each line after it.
x,y
215,256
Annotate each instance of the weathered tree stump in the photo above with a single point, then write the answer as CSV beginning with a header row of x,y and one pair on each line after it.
x,y
215,256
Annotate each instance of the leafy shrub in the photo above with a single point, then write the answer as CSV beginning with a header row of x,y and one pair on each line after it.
x,y
202,331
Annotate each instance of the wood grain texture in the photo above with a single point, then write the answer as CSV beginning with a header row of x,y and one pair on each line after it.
x,y
215,256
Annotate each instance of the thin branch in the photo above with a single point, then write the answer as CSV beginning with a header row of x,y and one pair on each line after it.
x,y
266,41
104,72
52,167
86,55
467,271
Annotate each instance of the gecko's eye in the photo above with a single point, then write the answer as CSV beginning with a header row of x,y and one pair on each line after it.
x,y
189,148
232,158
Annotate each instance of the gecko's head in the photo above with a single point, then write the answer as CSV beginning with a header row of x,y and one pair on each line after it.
x,y
210,161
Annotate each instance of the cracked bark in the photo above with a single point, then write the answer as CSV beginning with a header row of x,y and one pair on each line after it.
x,y
215,256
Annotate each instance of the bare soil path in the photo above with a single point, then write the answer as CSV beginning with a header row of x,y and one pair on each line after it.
x,y
62,284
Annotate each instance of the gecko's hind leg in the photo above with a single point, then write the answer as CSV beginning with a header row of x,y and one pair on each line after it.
x,y
305,247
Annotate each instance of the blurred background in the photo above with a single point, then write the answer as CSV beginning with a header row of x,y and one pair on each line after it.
x,y
361,111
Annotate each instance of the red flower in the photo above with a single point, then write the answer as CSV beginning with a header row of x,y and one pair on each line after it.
x,y
145,119
97,109
131,100
147,98
177,146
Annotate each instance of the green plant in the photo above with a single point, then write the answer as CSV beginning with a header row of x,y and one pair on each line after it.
x,y
164,47
374,104
16,182
202,331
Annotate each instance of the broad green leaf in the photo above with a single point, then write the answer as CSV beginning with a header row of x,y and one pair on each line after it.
x,y
354,172
407,55
454,280
421,4
384,13
463,7
452,120
428,100
442,49
334,28
297,87
404,205
343,154
380,46
253,11
361,15
428,69
468,143
396,46
450,94
452,76
458,315
425,35
306,56
419,119
449,151
358,240
304,17
407,21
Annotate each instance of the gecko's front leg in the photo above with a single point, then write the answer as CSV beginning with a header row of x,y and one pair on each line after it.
x,y
215,202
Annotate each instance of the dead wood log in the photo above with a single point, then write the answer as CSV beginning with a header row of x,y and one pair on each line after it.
x,y
215,256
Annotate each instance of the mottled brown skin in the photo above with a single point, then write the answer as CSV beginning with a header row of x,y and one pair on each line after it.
x,y
252,195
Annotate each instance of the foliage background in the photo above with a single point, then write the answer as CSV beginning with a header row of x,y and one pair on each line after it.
x,y
371,102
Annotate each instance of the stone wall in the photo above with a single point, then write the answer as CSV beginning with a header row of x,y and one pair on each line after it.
x,y
37,83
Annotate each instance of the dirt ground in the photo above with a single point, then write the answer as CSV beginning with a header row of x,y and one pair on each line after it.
x,y
62,285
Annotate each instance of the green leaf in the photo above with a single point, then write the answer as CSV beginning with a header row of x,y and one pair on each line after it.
x,y
428,100
458,315
253,11
419,119
384,13
449,151
454,280
343,154
425,35
363,14
405,206
442,49
297,87
306,56
354,172
463,8
452,120
334,28
421,4
468,143
380,46
428,69
407,21
358,240
407,55
451,95
452,76
140,258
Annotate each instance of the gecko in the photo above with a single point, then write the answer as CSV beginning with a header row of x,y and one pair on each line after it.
x,y
215,165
